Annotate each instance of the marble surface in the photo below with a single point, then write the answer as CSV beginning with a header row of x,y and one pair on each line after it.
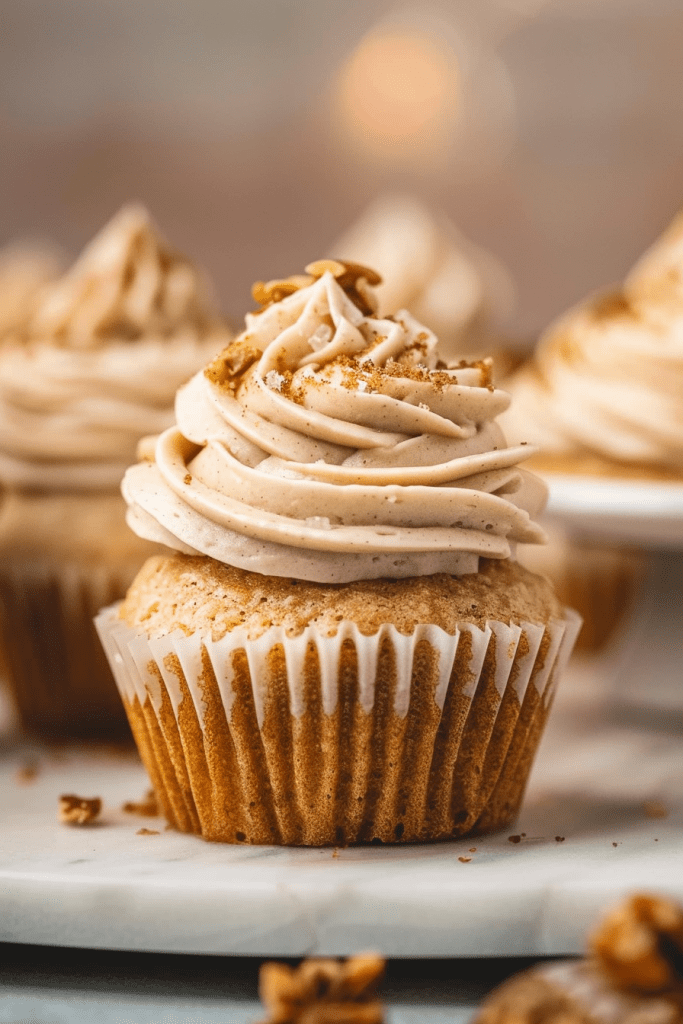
x,y
597,784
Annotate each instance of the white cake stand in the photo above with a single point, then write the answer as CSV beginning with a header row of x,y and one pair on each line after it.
x,y
648,658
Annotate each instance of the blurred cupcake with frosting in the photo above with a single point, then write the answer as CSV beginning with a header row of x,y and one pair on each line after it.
x,y
458,290
602,397
91,370
603,394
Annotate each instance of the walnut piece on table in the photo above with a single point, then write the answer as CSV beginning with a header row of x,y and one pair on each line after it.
x,y
639,945
78,810
322,991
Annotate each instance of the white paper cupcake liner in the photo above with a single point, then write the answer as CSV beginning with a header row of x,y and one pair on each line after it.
x,y
314,740
55,668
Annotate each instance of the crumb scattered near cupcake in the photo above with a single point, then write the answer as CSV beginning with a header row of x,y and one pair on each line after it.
x,y
655,809
147,808
147,832
323,991
78,810
631,974
27,773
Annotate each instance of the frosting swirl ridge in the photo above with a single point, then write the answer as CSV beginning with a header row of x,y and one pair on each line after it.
x,y
328,444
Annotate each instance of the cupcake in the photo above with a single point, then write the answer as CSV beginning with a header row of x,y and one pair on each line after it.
x,y
631,975
93,368
603,395
602,399
342,649
458,290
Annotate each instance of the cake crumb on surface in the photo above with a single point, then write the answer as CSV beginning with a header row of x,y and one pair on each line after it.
x,y
147,832
464,860
27,772
146,808
655,809
78,810
514,839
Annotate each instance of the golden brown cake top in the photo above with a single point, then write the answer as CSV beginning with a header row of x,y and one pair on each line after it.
x,y
195,594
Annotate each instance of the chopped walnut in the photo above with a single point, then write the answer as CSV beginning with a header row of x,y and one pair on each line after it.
x,y
639,945
352,277
147,808
323,991
78,810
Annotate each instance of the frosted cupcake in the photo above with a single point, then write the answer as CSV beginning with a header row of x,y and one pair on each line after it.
x,y
461,292
603,398
94,368
343,650
603,395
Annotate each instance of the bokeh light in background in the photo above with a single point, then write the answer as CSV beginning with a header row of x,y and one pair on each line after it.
x,y
398,96
257,130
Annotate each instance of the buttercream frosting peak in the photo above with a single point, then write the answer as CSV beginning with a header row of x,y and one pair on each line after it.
x,y
607,377
330,444
98,363
127,284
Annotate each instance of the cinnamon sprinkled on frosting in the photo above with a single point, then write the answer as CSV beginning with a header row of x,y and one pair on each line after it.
x,y
329,444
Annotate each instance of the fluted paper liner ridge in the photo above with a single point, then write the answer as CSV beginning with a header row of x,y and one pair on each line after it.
x,y
316,740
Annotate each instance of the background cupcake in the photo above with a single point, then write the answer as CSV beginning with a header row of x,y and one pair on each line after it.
x,y
94,368
458,290
345,651
603,395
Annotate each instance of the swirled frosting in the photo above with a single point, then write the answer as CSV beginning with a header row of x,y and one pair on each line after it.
x,y
99,361
607,378
329,444
457,289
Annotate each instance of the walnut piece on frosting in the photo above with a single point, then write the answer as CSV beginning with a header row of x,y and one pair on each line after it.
x,y
78,810
639,945
321,991
352,277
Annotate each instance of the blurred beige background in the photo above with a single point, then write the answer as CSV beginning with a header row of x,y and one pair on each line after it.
x,y
256,130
